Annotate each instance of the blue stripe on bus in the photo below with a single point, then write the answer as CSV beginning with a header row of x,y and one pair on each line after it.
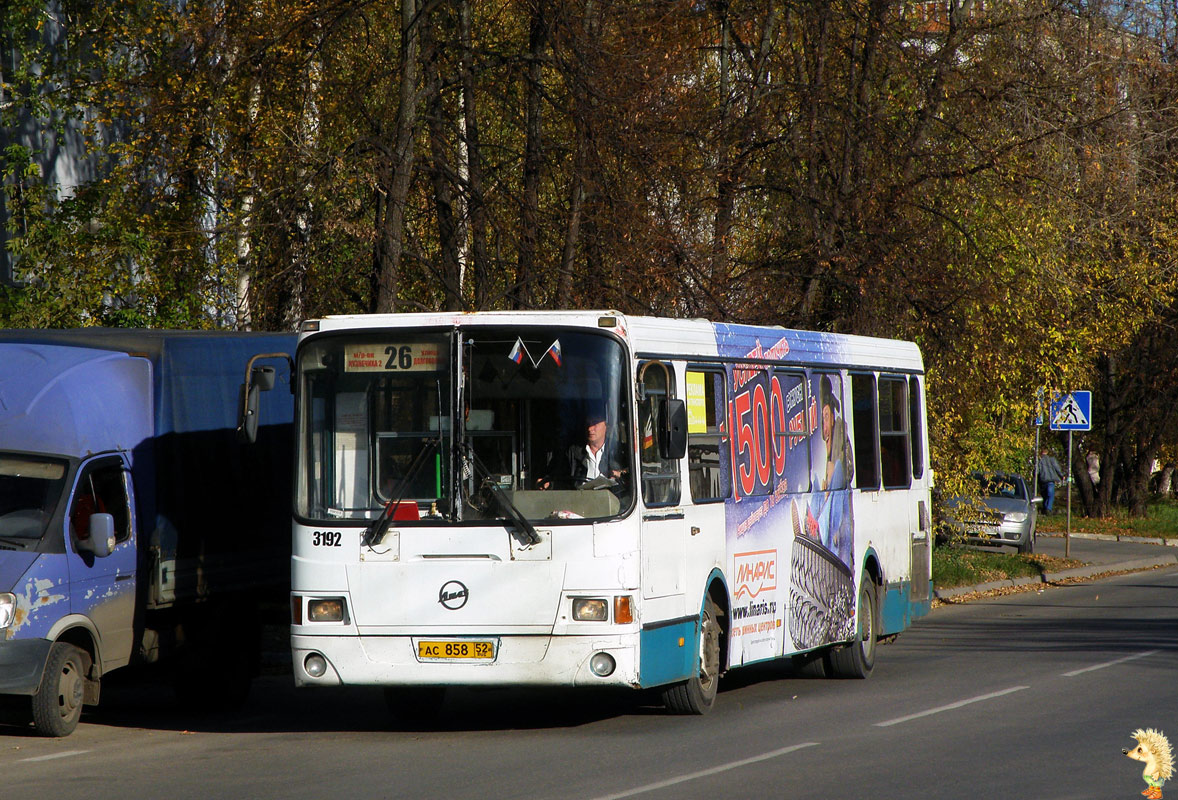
x,y
668,653
894,613
899,609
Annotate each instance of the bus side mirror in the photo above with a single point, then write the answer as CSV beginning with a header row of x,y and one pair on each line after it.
x,y
673,429
101,540
261,379
257,380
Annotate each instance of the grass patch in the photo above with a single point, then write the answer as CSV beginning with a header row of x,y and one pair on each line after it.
x,y
963,566
1160,520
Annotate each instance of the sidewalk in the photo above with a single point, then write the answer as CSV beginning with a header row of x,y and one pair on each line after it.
x,y
1101,553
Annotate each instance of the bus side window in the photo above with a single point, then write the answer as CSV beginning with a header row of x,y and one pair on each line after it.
x,y
915,427
660,477
866,436
893,433
707,461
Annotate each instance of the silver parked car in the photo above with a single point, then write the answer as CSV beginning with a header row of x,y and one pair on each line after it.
x,y
1002,513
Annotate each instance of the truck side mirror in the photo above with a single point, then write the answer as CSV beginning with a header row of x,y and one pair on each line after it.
x,y
673,429
102,536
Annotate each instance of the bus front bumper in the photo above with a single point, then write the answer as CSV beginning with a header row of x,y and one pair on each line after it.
x,y
517,660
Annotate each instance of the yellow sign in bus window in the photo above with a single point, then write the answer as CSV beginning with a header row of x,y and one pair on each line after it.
x,y
697,403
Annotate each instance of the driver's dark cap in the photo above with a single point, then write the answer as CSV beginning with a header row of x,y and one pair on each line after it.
x,y
595,413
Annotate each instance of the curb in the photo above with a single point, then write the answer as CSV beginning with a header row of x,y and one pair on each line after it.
x,y
1048,577
1110,537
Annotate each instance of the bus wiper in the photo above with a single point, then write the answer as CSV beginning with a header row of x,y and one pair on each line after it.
x,y
527,532
376,530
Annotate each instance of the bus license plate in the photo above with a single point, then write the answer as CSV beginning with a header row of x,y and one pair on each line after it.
x,y
468,650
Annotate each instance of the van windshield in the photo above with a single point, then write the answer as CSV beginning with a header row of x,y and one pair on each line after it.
x,y
30,490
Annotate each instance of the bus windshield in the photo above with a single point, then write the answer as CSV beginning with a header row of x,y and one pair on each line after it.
x,y
464,425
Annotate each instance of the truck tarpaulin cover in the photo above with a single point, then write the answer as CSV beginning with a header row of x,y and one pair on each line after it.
x,y
200,492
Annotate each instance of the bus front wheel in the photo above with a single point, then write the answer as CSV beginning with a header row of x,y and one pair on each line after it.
x,y
697,694
856,659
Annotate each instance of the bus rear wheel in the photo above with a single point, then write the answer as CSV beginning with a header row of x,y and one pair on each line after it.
x,y
697,694
856,659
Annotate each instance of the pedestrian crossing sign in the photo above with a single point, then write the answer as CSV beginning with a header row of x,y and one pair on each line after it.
x,y
1071,412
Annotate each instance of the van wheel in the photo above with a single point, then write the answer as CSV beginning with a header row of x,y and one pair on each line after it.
x,y
857,658
57,705
697,694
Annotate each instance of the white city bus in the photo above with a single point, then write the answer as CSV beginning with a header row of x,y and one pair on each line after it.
x,y
766,495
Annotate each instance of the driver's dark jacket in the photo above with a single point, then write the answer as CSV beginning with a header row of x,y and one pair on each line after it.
x,y
571,468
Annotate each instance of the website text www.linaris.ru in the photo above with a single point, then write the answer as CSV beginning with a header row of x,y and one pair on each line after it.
x,y
755,609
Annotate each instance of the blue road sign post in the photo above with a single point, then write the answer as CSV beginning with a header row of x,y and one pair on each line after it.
x,y
1070,411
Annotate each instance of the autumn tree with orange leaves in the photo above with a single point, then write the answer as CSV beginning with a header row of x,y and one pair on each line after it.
x,y
994,181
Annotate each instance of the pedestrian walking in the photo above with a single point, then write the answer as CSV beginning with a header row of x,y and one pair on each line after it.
x,y
1050,473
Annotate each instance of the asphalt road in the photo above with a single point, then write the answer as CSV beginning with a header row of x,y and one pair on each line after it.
x,y
1028,695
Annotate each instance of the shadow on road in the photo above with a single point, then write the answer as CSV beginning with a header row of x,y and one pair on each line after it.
x,y
139,700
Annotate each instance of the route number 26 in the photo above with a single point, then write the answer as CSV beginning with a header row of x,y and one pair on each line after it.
x,y
399,357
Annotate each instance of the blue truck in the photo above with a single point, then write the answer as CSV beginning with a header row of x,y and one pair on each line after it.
x,y
144,510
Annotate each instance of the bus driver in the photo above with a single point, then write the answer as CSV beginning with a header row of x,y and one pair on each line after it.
x,y
599,457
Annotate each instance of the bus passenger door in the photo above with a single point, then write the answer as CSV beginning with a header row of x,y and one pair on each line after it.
x,y
708,472
664,533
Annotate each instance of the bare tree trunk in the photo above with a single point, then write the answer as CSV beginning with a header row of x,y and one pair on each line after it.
x,y
1112,434
441,173
1142,471
391,213
523,293
564,289
582,120
1166,481
474,166
725,180
302,236
738,121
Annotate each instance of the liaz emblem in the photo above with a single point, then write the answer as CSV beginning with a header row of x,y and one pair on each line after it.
x,y
453,595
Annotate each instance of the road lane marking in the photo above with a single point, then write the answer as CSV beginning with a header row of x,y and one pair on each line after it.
x,y
1112,663
951,706
64,754
650,787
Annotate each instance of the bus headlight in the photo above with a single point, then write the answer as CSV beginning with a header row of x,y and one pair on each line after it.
x,y
590,609
7,610
315,665
329,609
602,665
